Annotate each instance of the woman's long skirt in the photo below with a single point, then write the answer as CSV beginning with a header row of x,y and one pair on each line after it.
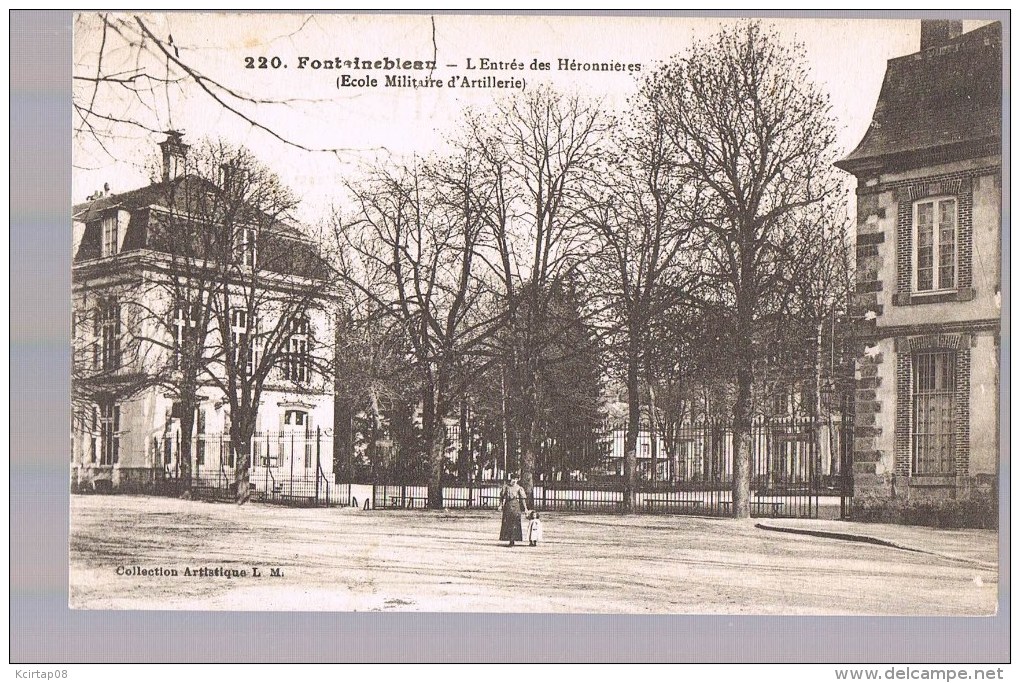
x,y
511,528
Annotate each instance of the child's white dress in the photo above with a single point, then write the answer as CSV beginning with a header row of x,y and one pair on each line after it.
x,y
534,530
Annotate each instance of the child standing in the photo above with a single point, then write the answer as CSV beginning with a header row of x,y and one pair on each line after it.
x,y
534,528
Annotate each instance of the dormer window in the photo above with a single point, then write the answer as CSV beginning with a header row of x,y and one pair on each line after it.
x,y
111,241
935,241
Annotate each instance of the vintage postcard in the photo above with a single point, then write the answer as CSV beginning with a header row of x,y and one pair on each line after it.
x,y
548,314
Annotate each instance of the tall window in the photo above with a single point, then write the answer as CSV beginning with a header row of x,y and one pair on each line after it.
x,y
200,436
243,341
109,433
107,350
111,242
184,316
934,398
246,247
296,433
94,432
226,446
296,364
935,245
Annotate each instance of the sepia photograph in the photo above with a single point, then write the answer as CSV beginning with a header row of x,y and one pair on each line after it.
x,y
622,315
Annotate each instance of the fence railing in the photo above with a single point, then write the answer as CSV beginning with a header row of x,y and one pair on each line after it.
x,y
798,468
287,467
578,498
779,449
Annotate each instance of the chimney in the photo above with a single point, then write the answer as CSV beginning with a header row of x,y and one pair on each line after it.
x,y
174,154
935,33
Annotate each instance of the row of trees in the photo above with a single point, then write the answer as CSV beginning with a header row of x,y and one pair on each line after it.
x,y
687,245
691,241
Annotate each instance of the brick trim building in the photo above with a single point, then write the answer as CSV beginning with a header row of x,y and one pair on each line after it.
x,y
928,277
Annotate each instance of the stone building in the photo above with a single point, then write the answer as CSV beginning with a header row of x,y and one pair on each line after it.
x,y
929,197
128,268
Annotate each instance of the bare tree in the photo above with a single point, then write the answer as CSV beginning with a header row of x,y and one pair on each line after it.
x,y
756,140
647,259
129,74
541,150
233,290
178,297
823,295
266,295
415,235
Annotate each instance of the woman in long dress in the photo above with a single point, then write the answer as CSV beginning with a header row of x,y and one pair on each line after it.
x,y
514,501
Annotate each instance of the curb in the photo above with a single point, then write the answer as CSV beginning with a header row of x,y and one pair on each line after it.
x,y
857,538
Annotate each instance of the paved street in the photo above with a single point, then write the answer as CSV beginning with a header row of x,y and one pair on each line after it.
x,y
348,560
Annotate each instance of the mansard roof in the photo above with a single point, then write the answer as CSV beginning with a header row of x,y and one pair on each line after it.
x,y
937,105
285,250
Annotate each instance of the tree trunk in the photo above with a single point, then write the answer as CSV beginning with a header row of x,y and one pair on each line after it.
x,y
187,424
744,355
653,430
373,452
434,435
343,441
631,437
464,453
526,434
823,439
742,444
435,487
242,470
528,469
343,413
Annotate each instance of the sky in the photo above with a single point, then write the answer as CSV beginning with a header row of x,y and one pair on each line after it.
x,y
846,57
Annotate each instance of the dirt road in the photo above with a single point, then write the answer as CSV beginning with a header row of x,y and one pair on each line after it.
x,y
125,551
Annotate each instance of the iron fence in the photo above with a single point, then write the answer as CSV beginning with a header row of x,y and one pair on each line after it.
x,y
290,468
798,468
